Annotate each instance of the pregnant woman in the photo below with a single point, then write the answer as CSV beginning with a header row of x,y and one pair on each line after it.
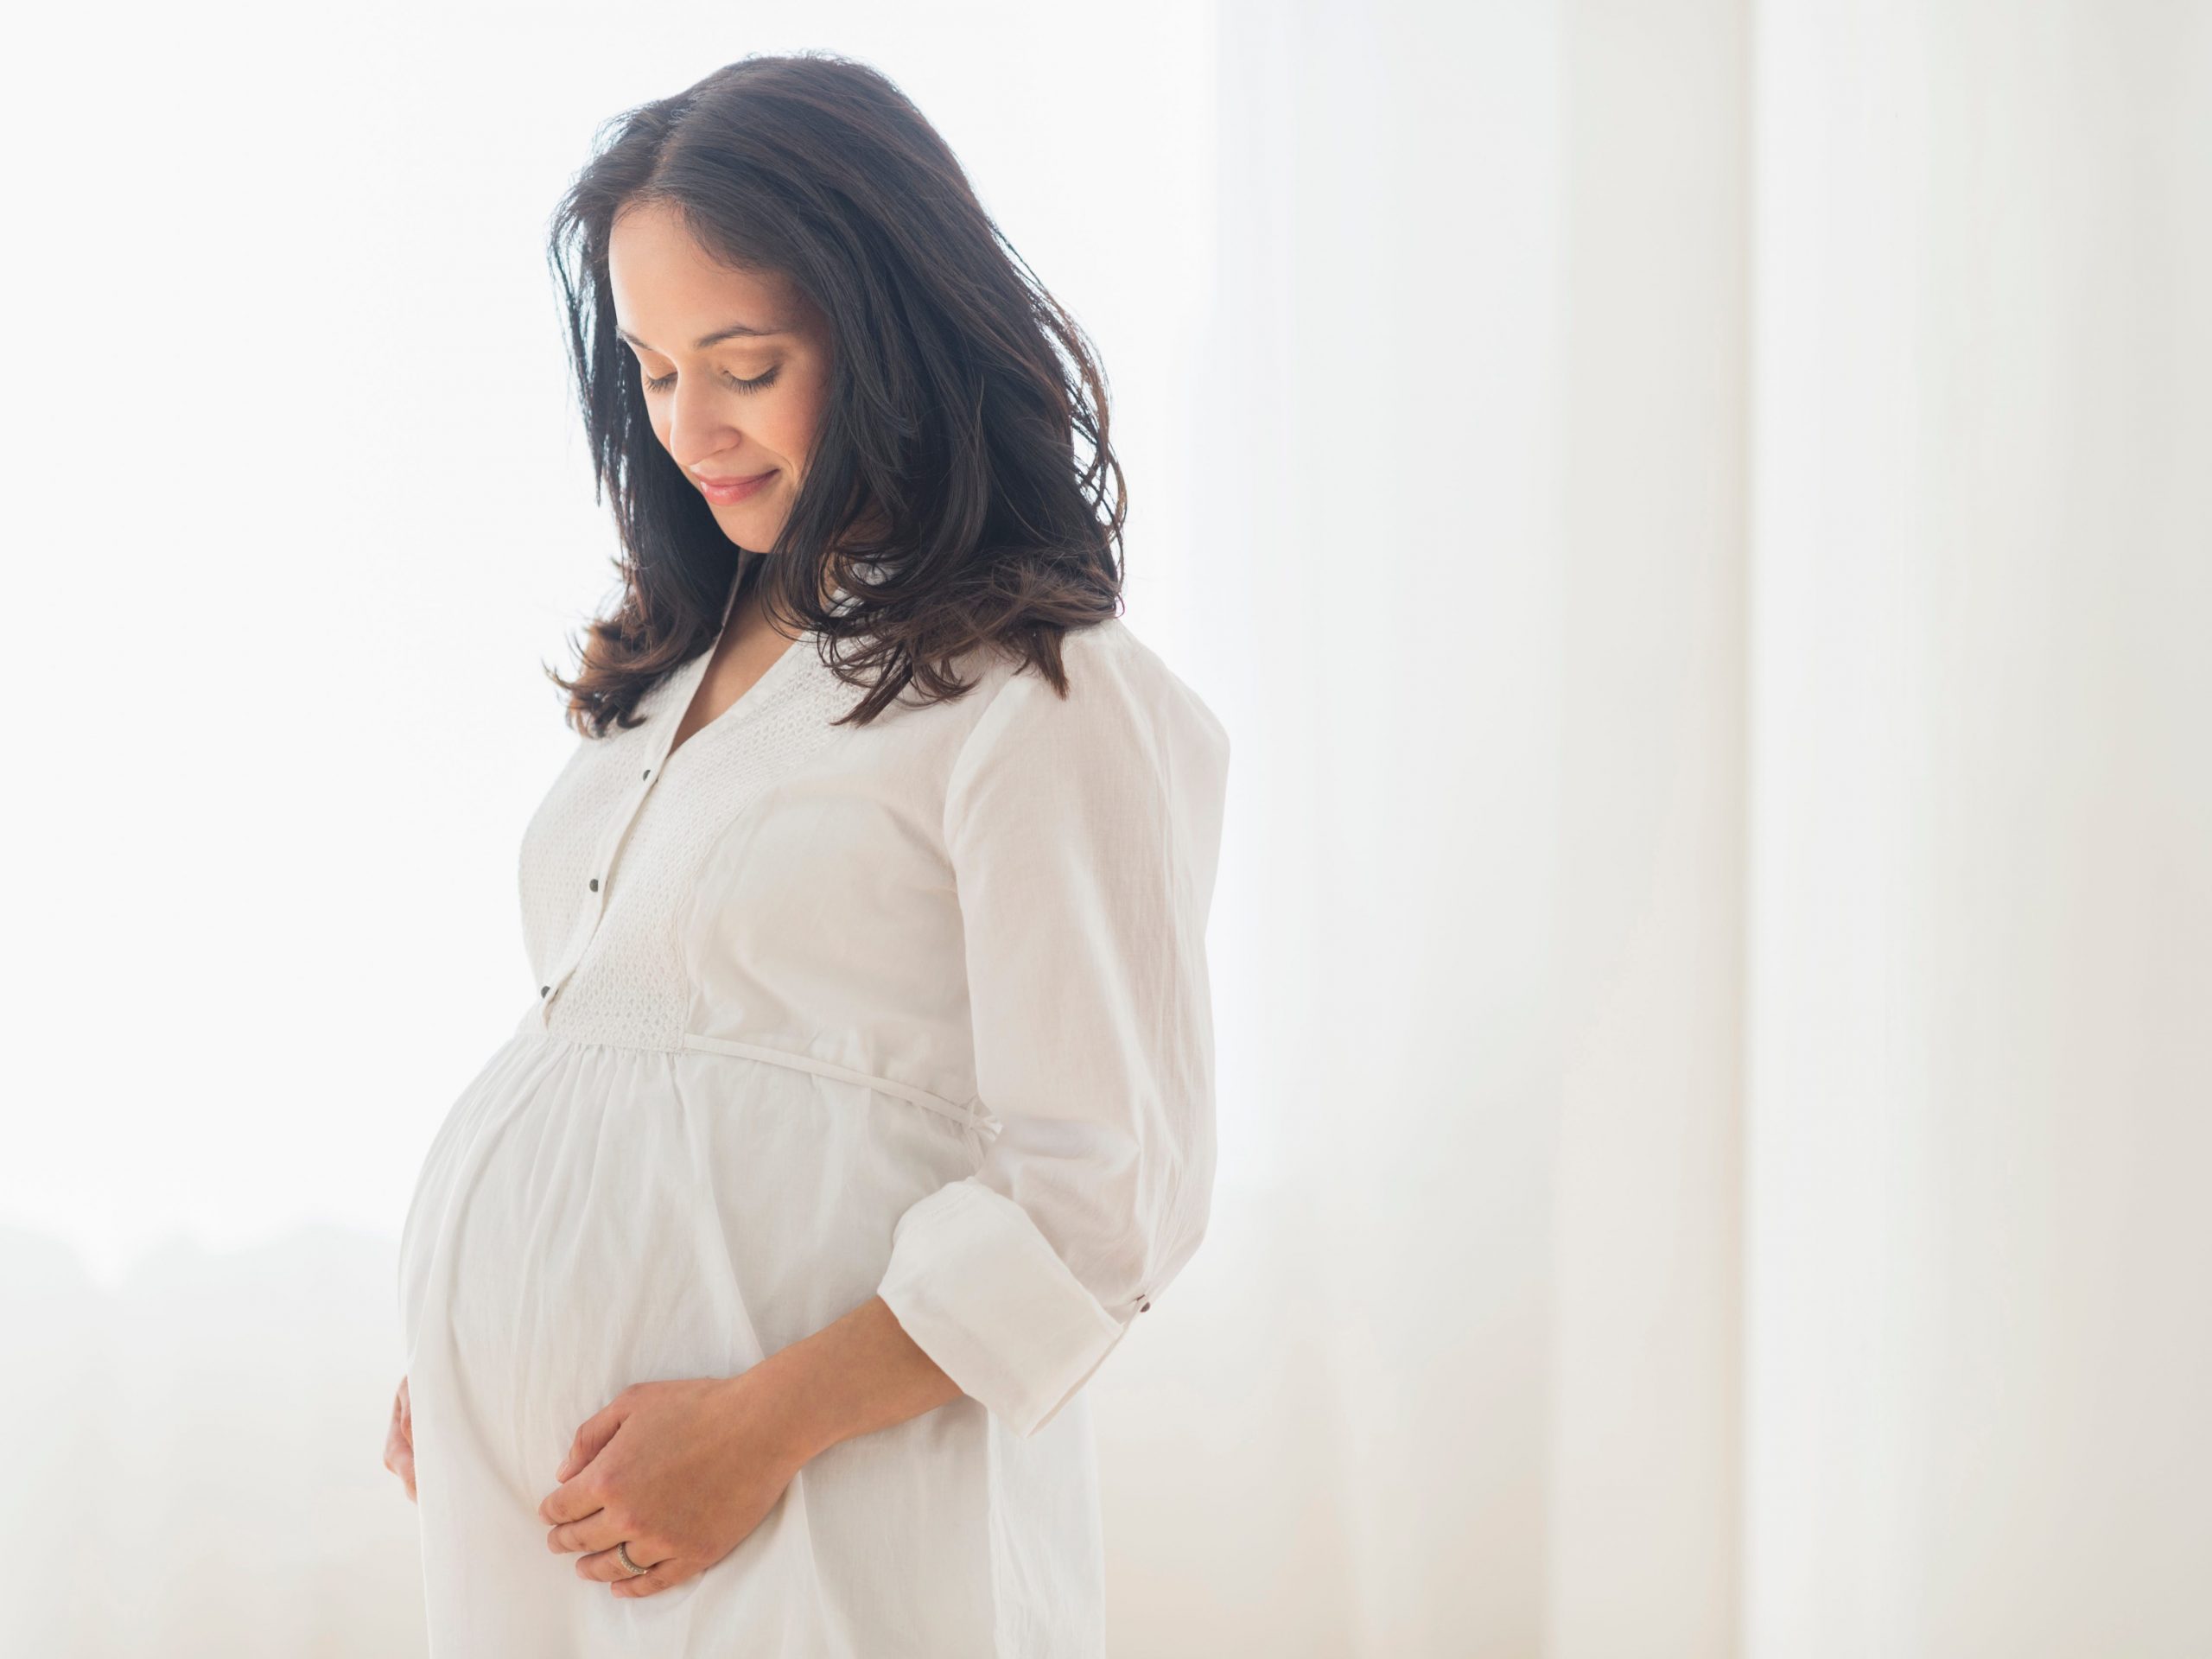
x,y
863,1096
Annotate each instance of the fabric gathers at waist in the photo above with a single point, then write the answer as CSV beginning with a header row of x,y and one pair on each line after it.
x,y
969,1114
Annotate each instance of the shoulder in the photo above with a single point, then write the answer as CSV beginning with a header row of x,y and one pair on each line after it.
x,y
1129,761
1121,698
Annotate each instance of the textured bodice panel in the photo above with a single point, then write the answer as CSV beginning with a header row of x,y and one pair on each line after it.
x,y
609,958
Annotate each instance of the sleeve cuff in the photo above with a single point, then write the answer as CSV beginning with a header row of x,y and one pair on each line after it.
x,y
983,1294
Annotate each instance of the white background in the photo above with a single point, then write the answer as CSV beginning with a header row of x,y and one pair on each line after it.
x,y
1698,517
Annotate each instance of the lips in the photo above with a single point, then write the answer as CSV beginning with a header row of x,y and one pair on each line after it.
x,y
732,488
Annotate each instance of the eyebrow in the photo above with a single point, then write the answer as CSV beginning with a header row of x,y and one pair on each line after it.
x,y
736,330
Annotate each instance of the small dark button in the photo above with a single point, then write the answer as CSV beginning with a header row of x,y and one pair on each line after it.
x,y
544,990
594,884
648,774
1143,1306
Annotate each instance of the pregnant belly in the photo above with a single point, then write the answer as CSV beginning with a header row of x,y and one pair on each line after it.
x,y
592,1217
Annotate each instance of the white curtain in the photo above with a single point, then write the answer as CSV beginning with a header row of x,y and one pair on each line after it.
x,y
1701,526
1978,1288
1717,509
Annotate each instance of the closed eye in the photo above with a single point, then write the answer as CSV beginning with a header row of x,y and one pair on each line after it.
x,y
758,384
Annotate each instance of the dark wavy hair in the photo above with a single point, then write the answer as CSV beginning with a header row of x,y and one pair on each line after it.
x,y
960,489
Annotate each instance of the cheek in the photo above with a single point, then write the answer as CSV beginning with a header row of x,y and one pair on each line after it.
x,y
796,423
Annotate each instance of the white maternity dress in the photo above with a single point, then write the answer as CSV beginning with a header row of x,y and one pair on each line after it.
x,y
916,1008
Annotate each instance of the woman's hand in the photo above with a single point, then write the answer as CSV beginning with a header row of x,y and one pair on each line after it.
x,y
681,1471
399,1442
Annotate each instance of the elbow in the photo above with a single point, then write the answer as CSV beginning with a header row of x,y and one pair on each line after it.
x,y
1170,1246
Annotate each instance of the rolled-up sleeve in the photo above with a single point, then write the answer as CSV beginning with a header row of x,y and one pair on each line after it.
x,y
1083,834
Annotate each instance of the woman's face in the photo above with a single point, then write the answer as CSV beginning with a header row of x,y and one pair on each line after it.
x,y
735,367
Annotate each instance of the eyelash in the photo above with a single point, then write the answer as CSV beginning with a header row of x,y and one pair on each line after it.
x,y
761,384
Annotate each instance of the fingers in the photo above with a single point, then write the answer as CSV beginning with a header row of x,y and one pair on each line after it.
x,y
567,1500
399,1440
662,1576
596,1531
399,1458
572,1500
597,1430
607,1568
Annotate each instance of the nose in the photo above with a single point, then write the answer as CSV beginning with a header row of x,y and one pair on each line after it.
x,y
698,422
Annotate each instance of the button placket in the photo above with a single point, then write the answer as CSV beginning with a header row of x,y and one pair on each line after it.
x,y
603,862
597,884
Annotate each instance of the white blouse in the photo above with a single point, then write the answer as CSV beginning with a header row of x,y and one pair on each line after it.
x,y
918,1009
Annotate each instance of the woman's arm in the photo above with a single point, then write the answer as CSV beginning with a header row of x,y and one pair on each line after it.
x,y
1083,834
859,1373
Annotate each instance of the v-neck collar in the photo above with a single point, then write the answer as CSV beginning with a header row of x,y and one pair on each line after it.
x,y
694,673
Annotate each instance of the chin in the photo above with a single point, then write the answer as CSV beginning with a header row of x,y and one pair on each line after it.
x,y
751,532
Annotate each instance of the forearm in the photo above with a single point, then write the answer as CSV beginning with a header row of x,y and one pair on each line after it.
x,y
859,1373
